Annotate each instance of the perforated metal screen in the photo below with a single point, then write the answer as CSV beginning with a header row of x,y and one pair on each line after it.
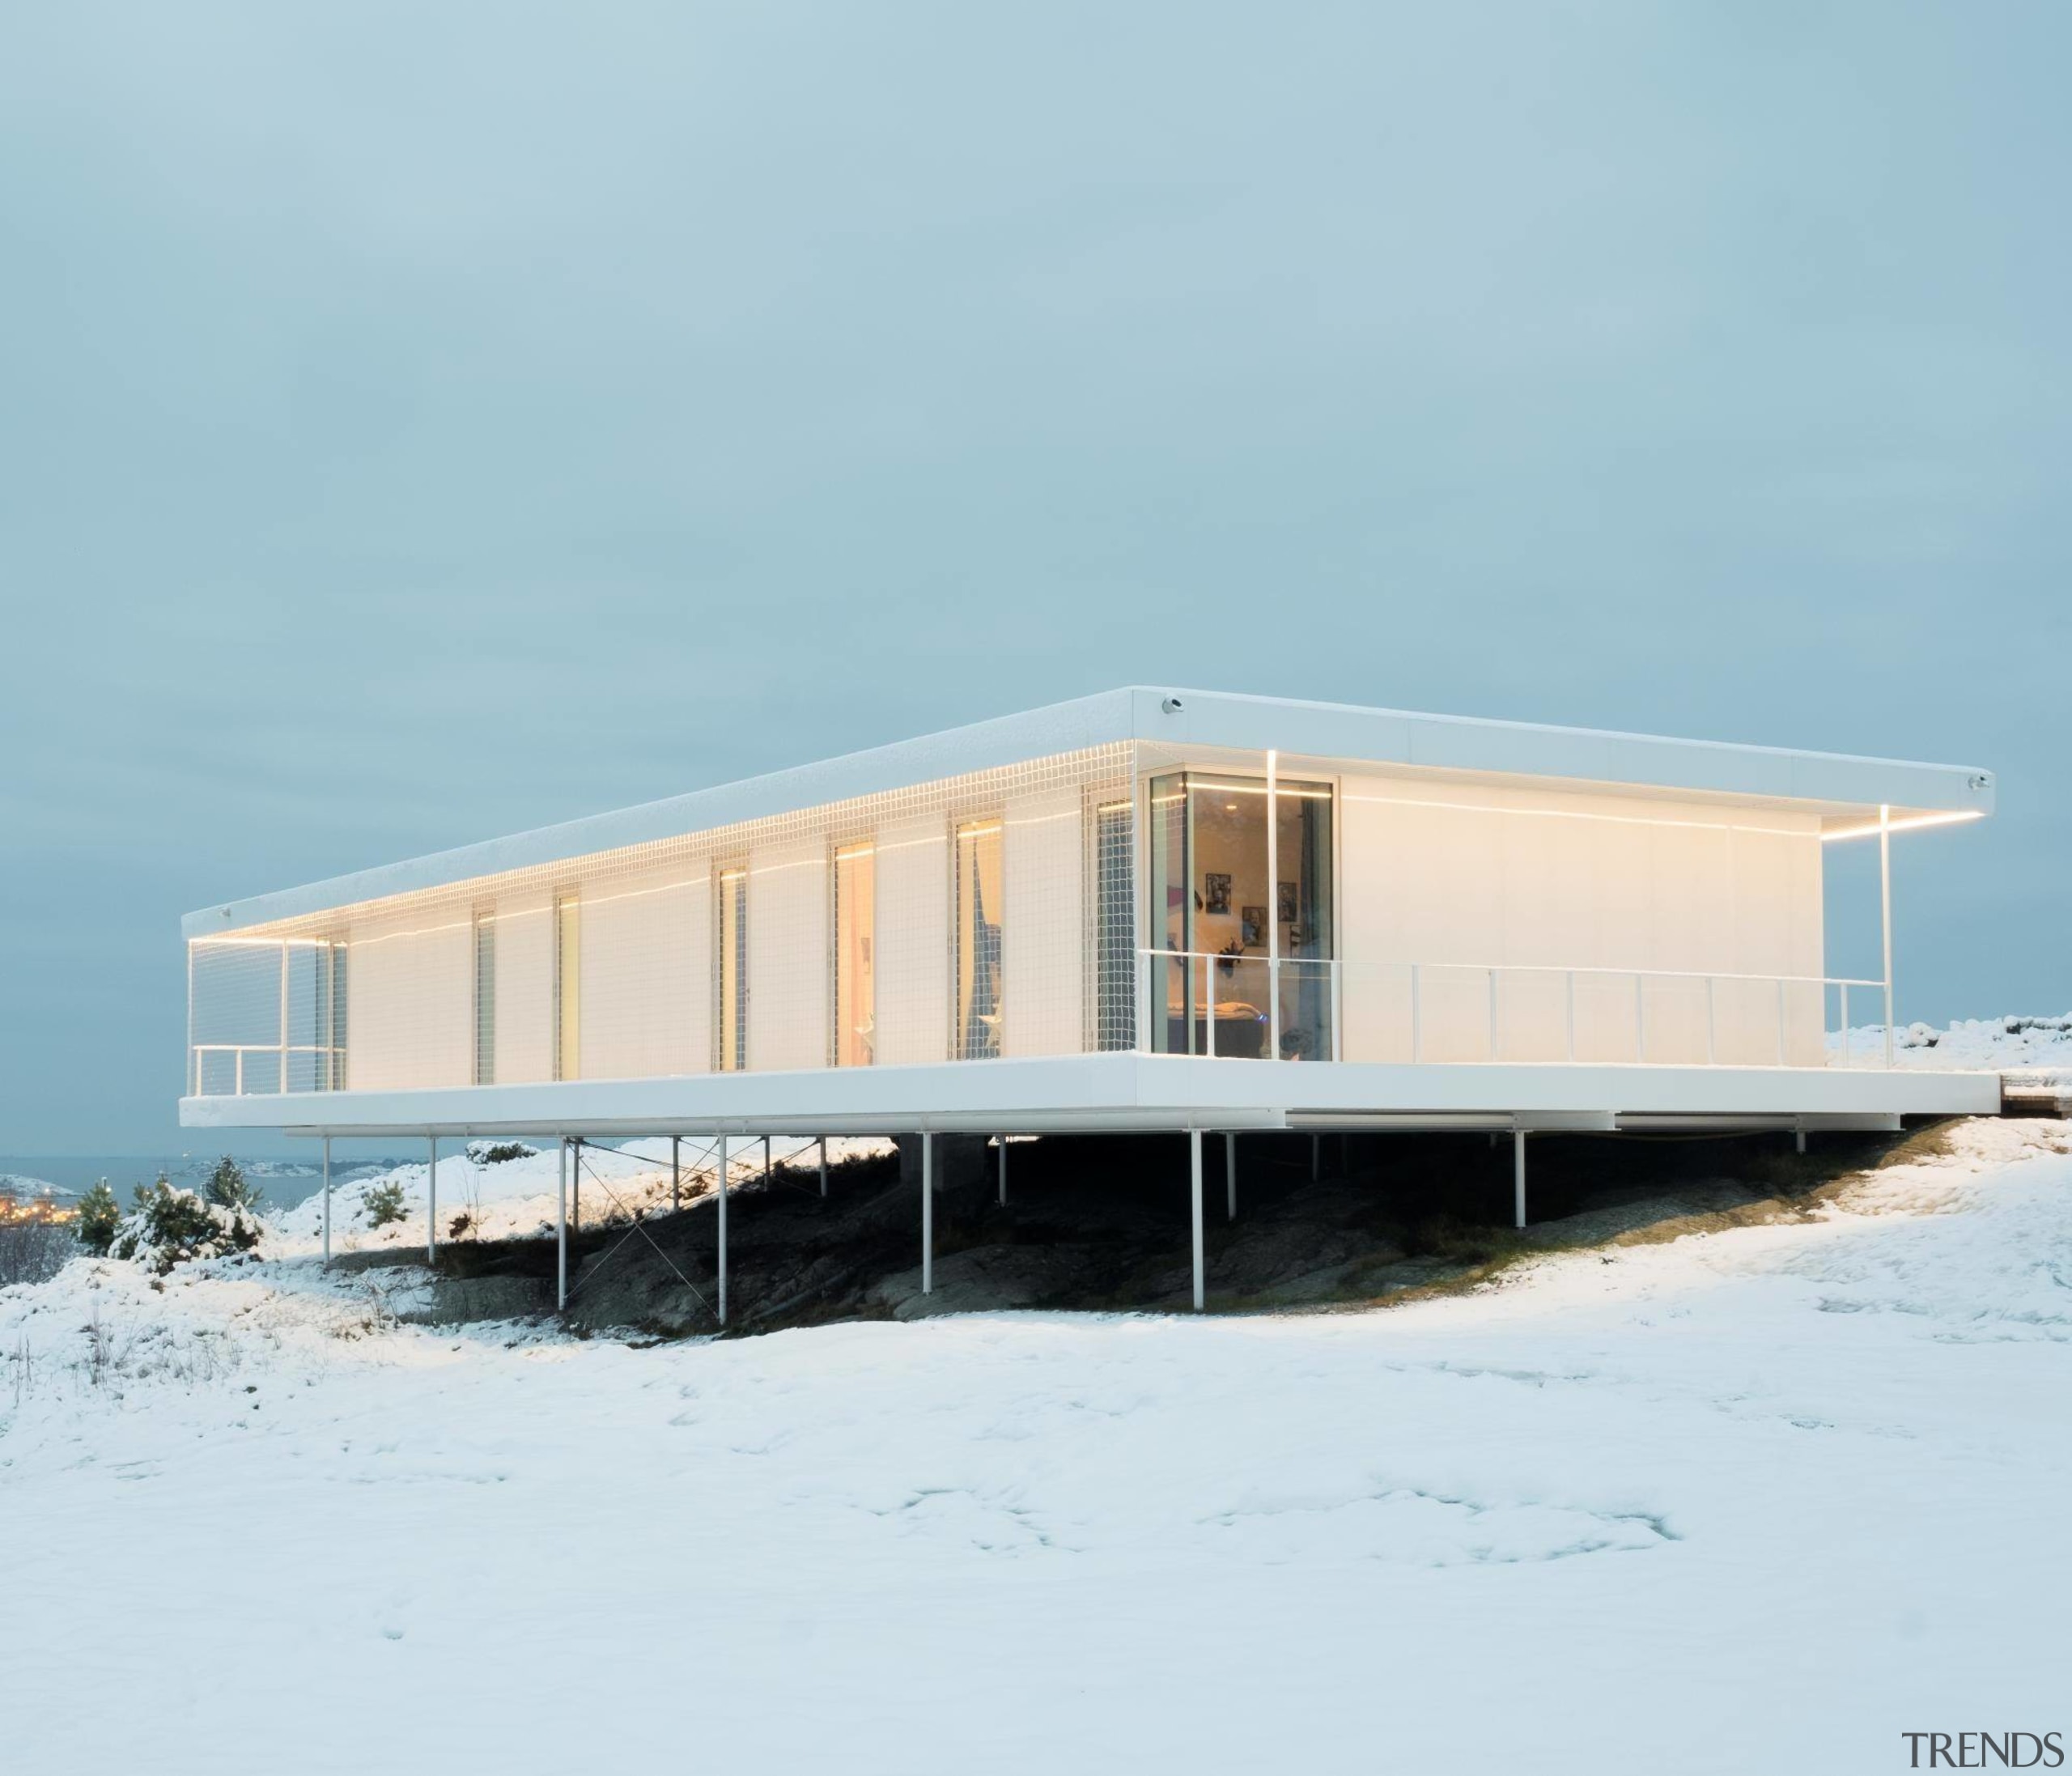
x,y
713,950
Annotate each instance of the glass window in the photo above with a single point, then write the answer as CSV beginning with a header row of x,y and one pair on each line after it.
x,y
485,998
733,971
855,929
567,985
979,896
1114,930
1231,913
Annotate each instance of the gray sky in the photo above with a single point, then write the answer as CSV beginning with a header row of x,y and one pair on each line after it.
x,y
418,423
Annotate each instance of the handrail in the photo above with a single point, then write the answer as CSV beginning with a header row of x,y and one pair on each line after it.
x,y
1337,967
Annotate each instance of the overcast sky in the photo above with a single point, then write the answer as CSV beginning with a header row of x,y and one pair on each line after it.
x,y
417,423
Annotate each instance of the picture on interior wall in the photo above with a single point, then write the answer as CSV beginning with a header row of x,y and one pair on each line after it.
x,y
1253,920
1286,898
1218,890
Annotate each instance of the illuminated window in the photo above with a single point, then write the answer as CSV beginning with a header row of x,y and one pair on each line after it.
x,y
1245,920
567,985
855,929
485,997
733,971
979,897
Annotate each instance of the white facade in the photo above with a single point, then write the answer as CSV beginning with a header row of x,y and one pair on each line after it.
x,y
1146,908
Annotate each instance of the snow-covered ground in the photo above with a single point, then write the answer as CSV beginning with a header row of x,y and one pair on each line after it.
x,y
513,1198
1757,1500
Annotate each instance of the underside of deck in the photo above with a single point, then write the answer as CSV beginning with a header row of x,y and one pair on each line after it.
x,y
1093,1093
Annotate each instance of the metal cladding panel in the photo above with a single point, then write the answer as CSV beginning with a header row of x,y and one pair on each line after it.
x,y
1045,948
524,988
913,941
1529,886
641,997
787,973
413,1001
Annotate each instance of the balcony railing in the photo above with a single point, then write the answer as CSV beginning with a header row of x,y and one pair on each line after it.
x,y
1252,1007
238,1069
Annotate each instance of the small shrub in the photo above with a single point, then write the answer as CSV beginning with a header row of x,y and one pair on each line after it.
x,y
384,1203
228,1187
459,1226
100,1215
169,1226
498,1152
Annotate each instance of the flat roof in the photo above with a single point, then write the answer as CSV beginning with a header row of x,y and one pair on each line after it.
x,y
1183,720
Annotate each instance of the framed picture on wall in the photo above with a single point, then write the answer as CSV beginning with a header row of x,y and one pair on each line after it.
x,y
1217,888
1253,921
1285,896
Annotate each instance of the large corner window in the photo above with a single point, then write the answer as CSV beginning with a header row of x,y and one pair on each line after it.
x,y
733,970
1240,917
979,885
855,977
567,985
485,996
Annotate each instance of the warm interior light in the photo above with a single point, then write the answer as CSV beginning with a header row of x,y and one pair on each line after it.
x,y
1911,824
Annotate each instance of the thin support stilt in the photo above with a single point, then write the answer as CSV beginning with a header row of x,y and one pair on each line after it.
x,y
1801,1134
560,1230
327,1201
1230,1170
927,1212
676,1173
1001,1141
823,1165
1194,1161
431,1202
575,1184
1518,1175
723,1229
765,1159
1316,1157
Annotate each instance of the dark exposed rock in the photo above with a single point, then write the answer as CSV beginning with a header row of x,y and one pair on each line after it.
x,y
1104,1223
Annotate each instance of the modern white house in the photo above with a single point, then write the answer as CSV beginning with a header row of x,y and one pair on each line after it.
x,y
1148,909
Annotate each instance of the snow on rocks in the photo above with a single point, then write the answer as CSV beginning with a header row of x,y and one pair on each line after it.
x,y
1985,1044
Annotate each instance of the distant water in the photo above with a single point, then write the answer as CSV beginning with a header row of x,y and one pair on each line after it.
x,y
283,1183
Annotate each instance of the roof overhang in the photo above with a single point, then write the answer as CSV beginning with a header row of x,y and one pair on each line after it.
x,y
1843,789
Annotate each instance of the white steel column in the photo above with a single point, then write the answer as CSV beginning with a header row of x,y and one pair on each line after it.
x,y
575,1183
1230,1170
823,1165
1193,1160
676,1173
1885,904
431,1202
327,1200
1002,1140
723,1229
1272,905
560,1229
765,1159
1518,1174
927,1212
